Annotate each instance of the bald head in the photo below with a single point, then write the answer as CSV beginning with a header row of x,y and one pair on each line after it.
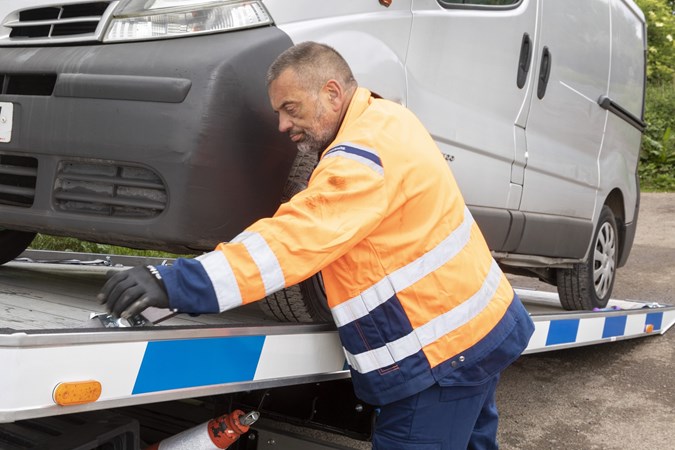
x,y
314,64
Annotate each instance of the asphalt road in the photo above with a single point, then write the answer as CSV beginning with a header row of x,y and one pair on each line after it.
x,y
616,396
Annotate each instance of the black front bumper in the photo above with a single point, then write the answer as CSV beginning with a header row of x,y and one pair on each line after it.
x,y
166,144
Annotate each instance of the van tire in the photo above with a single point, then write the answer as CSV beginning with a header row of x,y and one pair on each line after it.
x,y
306,301
13,243
589,284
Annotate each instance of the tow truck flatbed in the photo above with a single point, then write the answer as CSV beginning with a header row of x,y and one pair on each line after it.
x,y
43,343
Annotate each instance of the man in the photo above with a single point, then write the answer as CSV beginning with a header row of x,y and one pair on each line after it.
x,y
426,317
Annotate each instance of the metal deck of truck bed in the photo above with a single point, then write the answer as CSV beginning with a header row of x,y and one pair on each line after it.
x,y
43,341
48,296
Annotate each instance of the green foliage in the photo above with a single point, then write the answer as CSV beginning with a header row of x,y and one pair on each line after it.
x,y
657,158
68,244
660,39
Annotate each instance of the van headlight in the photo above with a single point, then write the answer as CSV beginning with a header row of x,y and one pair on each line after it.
x,y
153,19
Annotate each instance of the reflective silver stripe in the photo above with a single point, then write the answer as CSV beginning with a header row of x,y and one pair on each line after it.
x,y
362,304
431,331
369,361
222,278
406,276
358,158
267,262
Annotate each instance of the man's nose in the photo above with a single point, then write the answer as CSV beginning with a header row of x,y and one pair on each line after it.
x,y
284,123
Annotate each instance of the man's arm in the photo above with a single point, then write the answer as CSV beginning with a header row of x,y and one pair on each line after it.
x,y
344,202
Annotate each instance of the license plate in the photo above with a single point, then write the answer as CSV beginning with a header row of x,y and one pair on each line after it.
x,y
6,116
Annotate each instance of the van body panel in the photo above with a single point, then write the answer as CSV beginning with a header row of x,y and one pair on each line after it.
x,y
565,127
627,75
627,80
186,121
462,67
372,38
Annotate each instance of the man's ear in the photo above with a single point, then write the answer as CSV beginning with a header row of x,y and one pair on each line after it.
x,y
334,93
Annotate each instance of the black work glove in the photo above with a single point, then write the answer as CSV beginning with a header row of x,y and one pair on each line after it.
x,y
129,292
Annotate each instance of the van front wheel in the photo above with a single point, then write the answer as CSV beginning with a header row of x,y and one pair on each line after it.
x,y
306,301
589,284
13,243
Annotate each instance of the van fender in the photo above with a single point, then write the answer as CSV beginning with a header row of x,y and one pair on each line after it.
x,y
375,64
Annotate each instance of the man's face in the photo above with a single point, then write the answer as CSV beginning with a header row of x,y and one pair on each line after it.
x,y
308,117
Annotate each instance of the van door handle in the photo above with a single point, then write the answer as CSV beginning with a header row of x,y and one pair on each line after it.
x,y
524,60
544,72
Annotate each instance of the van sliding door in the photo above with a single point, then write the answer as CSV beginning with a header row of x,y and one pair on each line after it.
x,y
565,126
469,72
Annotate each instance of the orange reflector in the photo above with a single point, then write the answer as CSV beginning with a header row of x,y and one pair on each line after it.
x,y
77,392
649,328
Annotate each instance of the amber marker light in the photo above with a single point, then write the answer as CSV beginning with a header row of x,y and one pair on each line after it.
x,y
649,328
77,392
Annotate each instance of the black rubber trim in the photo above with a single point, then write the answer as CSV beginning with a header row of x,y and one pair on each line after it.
x,y
544,72
495,224
528,233
122,87
555,236
613,107
524,60
630,229
452,5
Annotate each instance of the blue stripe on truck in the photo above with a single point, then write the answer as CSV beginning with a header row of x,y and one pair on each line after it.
x,y
565,331
614,326
562,331
189,363
655,319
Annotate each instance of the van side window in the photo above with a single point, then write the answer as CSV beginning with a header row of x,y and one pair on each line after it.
x,y
451,3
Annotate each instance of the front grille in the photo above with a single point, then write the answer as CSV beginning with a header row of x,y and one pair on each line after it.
x,y
18,175
27,84
54,24
108,190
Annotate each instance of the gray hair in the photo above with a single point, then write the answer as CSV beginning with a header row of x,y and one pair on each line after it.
x,y
314,64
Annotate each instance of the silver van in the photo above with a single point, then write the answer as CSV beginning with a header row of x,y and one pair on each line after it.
x,y
146,123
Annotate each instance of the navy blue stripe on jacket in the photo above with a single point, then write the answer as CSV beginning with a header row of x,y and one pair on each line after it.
x,y
370,155
189,287
476,365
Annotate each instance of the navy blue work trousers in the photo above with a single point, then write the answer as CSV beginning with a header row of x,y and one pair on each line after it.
x,y
440,418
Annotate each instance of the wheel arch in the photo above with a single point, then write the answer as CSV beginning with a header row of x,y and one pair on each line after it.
x,y
615,201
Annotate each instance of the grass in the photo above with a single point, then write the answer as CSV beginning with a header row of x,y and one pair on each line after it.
x,y
68,244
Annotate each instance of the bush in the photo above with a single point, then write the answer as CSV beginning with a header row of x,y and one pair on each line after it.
x,y
657,156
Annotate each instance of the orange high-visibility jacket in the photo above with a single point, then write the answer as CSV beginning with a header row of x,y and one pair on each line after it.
x,y
411,283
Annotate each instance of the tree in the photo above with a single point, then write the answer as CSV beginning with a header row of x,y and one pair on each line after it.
x,y
660,15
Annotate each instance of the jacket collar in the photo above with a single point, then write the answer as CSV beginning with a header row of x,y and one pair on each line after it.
x,y
359,103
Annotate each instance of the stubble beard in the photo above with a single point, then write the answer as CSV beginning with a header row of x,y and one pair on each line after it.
x,y
318,141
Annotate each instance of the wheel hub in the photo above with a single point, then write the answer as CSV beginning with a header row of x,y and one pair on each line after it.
x,y
604,260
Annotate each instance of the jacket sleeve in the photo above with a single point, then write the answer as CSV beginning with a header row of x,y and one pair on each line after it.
x,y
345,200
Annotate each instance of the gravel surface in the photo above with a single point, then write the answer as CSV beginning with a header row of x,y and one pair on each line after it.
x,y
611,396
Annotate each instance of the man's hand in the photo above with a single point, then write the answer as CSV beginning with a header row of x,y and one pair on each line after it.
x,y
129,292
